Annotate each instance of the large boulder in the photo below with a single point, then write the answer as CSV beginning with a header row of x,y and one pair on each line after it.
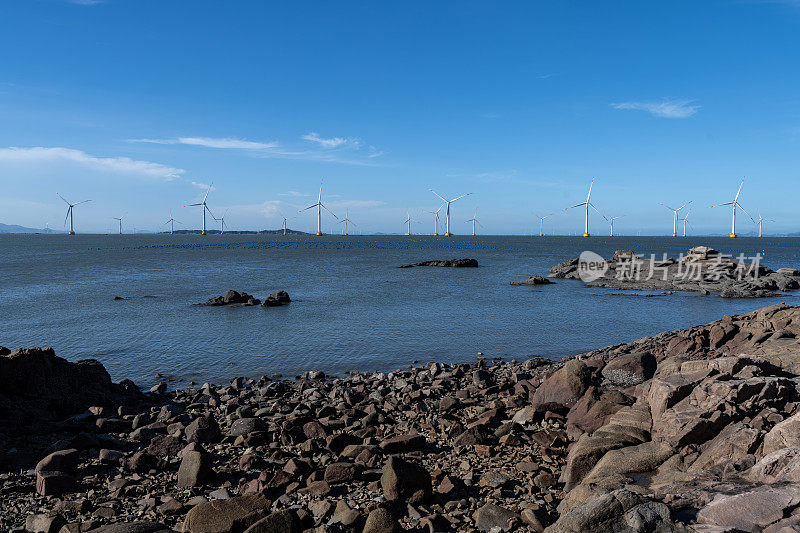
x,y
618,511
233,515
38,386
276,299
630,369
494,518
233,298
565,387
403,480
784,435
750,511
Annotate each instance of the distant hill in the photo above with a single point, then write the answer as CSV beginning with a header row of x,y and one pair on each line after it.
x,y
13,228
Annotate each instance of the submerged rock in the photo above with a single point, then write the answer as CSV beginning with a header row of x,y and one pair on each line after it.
x,y
233,298
277,298
449,263
533,280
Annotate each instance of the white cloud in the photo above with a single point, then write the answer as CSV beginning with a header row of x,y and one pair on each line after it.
x,y
121,165
333,142
329,149
664,109
200,185
211,142
293,193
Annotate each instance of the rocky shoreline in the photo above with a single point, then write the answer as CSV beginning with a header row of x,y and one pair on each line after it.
x,y
689,430
702,270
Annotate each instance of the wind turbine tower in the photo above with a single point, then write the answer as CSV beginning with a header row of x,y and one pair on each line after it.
x,y
447,211
541,223
675,217
587,204
204,207
347,222
734,204
436,219
611,220
120,223
474,221
70,209
760,221
320,206
171,222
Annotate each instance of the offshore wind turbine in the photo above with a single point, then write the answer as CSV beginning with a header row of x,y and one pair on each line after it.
x,y
320,206
347,222
436,219
474,221
204,207
735,203
587,204
222,222
447,211
685,220
408,221
760,221
120,223
541,223
172,222
284,221
675,217
69,213
611,220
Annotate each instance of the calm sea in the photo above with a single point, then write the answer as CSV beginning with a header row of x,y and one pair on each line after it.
x,y
351,308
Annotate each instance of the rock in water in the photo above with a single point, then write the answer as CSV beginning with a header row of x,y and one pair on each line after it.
x,y
450,263
233,298
533,280
277,298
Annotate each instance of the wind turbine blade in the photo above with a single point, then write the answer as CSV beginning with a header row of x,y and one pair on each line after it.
x,y
460,197
745,211
319,199
668,207
598,211
65,201
437,194
684,205
307,208
192,205
588,196
720,205
67,217
329,211
208,191
739,191
440,207
574,206
83,202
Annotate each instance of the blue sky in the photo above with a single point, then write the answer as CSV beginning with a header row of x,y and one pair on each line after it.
x,y
139,104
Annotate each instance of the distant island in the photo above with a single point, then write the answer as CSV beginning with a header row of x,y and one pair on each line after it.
x,y
241,232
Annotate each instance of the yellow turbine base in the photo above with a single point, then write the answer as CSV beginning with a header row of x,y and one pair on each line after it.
x,y
436,234
203,232
318,234
71,233
347,234
733,235
541,235
586,235
674,234
448,234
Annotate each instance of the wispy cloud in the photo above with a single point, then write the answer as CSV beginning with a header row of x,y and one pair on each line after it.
x,y
121,165
294,194
548,76
331,150
664,108
332,142
211,142
490,115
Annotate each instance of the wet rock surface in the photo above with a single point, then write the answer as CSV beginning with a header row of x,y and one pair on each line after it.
x,y
702,270
689,430
233,298
533,280
447,263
